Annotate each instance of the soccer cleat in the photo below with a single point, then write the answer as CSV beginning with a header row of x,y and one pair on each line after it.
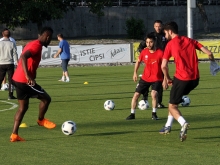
x,y
67,80
11,98
165,130
160,105
154,116
183,132
46,123
15,138
61,80
131,116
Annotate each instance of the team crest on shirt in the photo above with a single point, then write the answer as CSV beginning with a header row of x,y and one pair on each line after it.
x,y
146,57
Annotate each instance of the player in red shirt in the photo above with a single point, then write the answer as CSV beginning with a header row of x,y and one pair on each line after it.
x,y
26,86
186,76
152,75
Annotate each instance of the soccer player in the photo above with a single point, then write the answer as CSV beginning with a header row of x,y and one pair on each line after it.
x,y
152,75
64,52
161,44
26,86
186,76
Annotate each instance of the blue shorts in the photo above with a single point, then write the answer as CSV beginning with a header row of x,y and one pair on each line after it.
x,y
64,64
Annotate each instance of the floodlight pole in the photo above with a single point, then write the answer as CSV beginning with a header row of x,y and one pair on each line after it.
x,y
190,5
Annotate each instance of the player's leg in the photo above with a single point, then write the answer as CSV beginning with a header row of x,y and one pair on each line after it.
x,y
178,90
65,70
141,88
4,85
133,105
23,106
45,100
10,74
63,74
154,94
160,99
2,75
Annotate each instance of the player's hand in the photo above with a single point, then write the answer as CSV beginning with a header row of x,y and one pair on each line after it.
x,y
165,85
170,82
135,77
30,81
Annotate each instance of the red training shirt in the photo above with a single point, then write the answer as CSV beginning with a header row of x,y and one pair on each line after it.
x,y
183,49
35,47
152,70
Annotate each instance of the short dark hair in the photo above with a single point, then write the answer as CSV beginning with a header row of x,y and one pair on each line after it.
x,y
158,21
171,26
45,29
60,35
6,29
151,36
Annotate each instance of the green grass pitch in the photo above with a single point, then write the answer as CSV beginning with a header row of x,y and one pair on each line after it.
x,y
105,137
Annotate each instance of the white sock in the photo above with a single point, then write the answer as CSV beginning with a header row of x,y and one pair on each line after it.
x,y
169,121
63,78
132,110
67,78
154,110
181,120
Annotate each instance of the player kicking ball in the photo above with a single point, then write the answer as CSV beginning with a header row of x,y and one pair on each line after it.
x,y
26,86
186,77
152,75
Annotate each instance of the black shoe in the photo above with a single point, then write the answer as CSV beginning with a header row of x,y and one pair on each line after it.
x,y
154,116
131,116
160,105
11,98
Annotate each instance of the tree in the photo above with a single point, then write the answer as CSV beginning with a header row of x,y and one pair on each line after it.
x,y
16,13
199,4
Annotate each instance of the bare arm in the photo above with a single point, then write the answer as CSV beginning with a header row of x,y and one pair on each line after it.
x,y
23,59
165,71
58,52
136,67
209,53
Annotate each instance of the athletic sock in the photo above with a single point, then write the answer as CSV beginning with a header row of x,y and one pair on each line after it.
x,y
133,111
181,120
154,110
169,121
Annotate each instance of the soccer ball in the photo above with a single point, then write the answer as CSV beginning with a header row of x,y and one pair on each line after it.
x,y
109,105
143,105
68,127
186,101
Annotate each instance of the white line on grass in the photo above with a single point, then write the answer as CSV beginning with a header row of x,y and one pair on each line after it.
x,y
13,107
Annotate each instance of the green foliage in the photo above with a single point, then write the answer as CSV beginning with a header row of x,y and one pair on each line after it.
x,y
135,28
20,12
105,137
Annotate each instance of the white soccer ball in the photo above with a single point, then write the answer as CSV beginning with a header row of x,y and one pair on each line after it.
x,y
109,105
68,127
186,101
143,104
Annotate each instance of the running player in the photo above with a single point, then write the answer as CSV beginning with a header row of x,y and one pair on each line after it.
x,y
26,86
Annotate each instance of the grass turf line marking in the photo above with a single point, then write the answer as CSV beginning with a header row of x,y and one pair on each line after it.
x,y
13,107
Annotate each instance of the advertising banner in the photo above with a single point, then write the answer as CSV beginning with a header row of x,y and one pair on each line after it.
x,y
89,54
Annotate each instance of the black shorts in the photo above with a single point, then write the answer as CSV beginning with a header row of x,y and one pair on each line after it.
x,y
24,91
181,88
143,86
